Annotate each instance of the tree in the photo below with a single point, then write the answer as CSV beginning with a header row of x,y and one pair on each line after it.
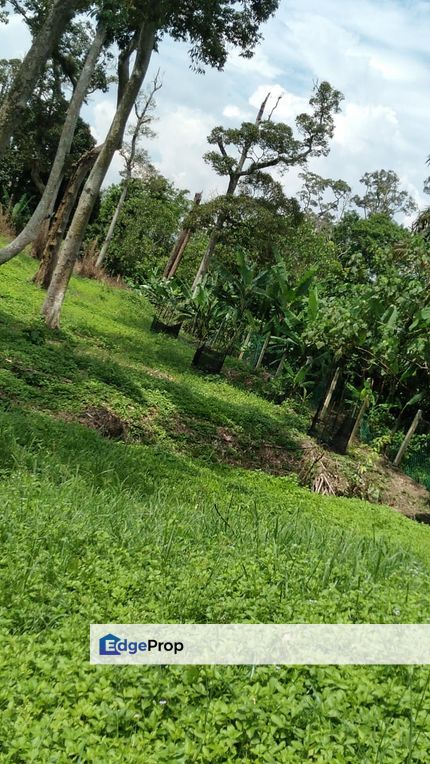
x,y
422,223
145,230
378,327
25,167
52,242
8,71
265,144
211,29
132,157
257,220
182,240
383,195
354,235
46,38
50,191
323,199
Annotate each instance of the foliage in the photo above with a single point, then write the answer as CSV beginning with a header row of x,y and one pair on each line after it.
x,y
258,223
16,213
26,164
383,195
323,208
213,28
354,235
170,297
256,147
146,229
95,530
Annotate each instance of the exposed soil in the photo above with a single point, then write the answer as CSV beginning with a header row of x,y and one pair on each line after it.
x,y
250,454
106,422
406,495
363,475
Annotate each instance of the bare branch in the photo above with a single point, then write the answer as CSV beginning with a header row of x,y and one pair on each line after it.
x,y
274,108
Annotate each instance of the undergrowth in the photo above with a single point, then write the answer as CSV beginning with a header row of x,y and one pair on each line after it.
x,y
161,525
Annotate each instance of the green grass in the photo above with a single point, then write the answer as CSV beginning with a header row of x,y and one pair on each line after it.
x,y
165,528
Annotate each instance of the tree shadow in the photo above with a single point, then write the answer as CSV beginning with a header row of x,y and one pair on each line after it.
x,y
53,367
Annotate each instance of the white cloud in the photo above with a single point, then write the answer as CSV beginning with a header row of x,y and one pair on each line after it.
x,y
259,64
15,38
180,145
287,108
233,112
101,116
113,174
360,127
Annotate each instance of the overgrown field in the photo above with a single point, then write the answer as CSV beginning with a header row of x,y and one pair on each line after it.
x,y
122,501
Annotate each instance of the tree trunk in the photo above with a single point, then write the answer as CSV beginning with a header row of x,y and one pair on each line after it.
x,y
113,222
207,257
61,220
281,365
39,243
47,202
61,13
130,162
180,246
52,306
329,395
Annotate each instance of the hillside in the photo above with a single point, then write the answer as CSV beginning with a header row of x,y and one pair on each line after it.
x,y
136,490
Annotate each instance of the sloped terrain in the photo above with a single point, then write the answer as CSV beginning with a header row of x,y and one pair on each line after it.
x,y
135,490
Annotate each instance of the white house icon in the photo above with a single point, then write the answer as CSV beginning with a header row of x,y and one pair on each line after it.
x,y
108,645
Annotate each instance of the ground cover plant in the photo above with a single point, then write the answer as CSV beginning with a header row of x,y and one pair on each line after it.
x,y
119,504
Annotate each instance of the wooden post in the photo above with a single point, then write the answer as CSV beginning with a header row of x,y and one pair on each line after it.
x,y
407,440
263,352
245,345
329,395
281,365
357,423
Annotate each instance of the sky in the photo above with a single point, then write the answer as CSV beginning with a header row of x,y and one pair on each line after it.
x,y
375,51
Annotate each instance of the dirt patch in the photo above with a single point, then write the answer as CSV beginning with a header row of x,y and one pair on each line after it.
x,y
225,445
404,494
363,475
106,422
248,380
250,454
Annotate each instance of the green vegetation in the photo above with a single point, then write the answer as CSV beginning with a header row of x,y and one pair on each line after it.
x,y
135,489
147,226
156,523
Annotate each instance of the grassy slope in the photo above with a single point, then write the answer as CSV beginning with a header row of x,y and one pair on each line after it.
x,y
158,530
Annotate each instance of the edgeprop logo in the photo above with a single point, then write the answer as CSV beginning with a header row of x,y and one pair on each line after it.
x,y
110,644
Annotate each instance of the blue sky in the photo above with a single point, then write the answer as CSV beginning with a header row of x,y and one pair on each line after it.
x,y
376,53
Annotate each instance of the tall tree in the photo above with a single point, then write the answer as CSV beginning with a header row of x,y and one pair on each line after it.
x,y
257,220
383,195
46,38
355,235
323,199
51,189
211,28
131,155
57,230
147,227
265,144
